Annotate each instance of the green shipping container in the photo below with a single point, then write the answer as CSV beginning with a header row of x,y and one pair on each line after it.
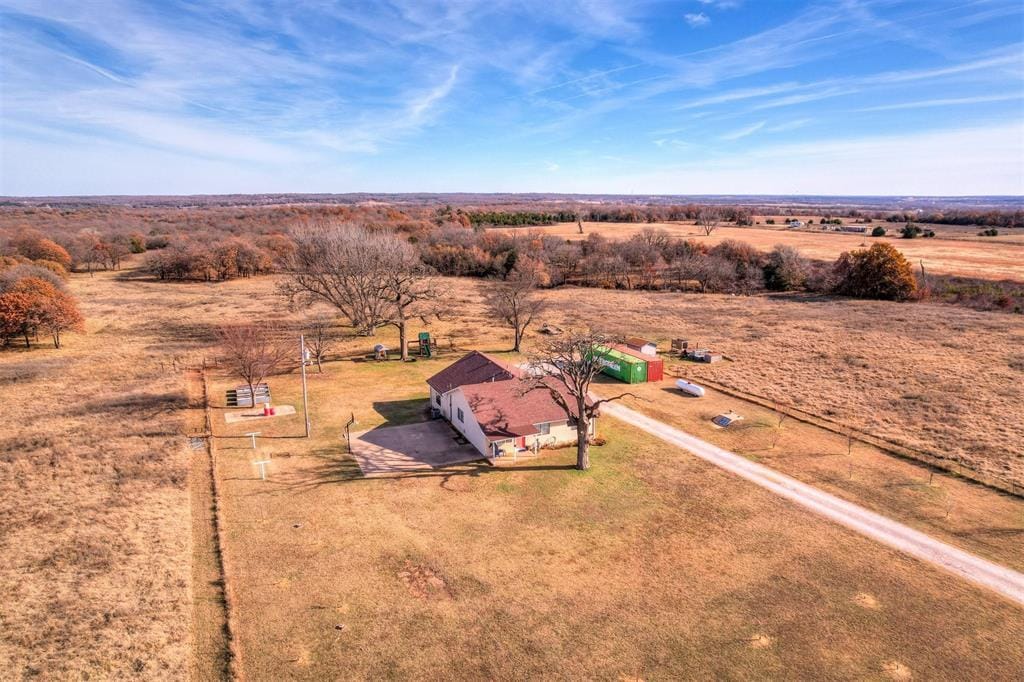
x,y
621,366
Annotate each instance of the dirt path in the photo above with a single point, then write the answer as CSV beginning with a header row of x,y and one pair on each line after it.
x,y
210,659
1005,581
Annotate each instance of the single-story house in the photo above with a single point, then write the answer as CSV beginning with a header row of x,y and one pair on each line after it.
x,y
490,404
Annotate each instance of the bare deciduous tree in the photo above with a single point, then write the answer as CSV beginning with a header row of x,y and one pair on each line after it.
x,y
712,273
516,302
708,219
565,367
407,291
319,338
374,279
777,430
252,353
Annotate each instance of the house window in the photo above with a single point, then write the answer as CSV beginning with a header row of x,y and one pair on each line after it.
x,y
437,398
544,428
461,419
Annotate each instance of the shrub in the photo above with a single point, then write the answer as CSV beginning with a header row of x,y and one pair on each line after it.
x,y
786,269
879,231
10,277
880,272
990,232
137,242
35,247
910,231
157,242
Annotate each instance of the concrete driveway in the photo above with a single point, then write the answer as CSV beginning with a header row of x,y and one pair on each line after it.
x,y
412,447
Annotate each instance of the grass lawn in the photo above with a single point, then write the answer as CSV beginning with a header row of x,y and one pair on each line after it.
x,y
654,564
971,516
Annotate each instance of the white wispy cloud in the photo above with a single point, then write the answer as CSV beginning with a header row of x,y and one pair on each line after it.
x,y
744,131
943,102
697,19
955,161
420,107
318,88
786,126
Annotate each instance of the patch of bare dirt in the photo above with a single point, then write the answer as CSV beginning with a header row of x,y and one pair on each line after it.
x,y
866,600
897,671
424,582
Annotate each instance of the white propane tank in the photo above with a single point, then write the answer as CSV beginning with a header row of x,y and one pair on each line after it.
x,y
687,387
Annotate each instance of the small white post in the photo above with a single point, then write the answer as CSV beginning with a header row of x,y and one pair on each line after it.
x,y
303,354
253,435
263,468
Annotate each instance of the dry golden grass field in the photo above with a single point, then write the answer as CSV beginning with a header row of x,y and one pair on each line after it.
x,y
941,378
951,253
652,565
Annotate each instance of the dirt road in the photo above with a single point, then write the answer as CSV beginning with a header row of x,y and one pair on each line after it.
x,y
1005,581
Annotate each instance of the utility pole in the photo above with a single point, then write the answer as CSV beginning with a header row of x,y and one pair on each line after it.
x,y
302,362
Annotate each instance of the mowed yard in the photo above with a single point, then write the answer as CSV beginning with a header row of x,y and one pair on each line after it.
x,y
653,564
999,257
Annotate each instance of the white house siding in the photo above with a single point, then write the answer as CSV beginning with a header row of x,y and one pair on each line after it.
x,y
452,401
561,432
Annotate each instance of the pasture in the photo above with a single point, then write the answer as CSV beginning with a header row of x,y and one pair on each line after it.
x,y
952,252
654,564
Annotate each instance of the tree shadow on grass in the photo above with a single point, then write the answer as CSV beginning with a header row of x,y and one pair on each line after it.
x,y
146,405
398,412
346,470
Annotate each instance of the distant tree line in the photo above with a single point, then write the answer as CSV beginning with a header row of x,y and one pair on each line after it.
x,y
520,218
655,260
1006,219
607,214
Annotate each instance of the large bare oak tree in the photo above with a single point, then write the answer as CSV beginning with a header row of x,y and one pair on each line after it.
x,y
565,367
373,278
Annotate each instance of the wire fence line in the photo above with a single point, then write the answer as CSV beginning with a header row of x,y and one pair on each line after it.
x,y
949,465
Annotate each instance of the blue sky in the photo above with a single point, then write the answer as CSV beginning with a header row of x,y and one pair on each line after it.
x,y
693,97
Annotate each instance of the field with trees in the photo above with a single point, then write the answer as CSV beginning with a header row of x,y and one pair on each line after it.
x,y
996,258
401,575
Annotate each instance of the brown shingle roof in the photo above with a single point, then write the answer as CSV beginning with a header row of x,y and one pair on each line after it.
x,y
506,409
473,368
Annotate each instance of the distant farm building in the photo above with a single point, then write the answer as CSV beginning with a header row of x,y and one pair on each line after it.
x,y
488,403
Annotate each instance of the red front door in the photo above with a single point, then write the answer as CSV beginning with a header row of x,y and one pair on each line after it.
x,y
521,442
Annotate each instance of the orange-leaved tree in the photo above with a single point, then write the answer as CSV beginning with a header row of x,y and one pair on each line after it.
x,y
32,305
880,272
36,247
